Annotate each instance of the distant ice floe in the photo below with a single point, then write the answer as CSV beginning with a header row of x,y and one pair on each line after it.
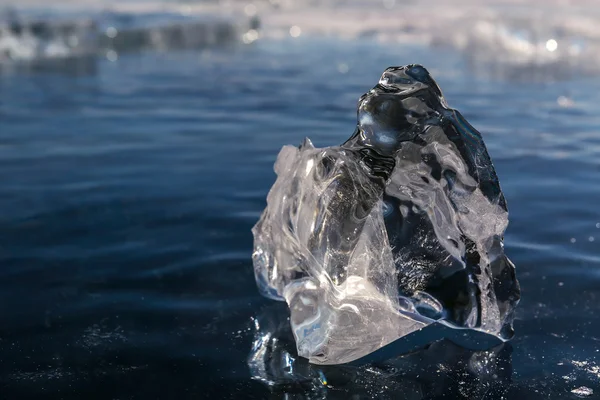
x,y
524,48
33,37
516,40
29,40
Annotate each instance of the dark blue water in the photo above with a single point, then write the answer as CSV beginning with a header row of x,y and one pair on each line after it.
x,y
128,190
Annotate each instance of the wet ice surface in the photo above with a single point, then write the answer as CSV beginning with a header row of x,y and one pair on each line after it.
x,y
128,194
396,229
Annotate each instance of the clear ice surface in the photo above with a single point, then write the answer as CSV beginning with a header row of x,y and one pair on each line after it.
x,y
397,229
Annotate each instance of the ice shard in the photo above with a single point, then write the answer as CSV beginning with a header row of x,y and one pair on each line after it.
x,y
395,232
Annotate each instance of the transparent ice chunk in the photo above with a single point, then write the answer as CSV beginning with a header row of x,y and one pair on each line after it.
x,y
397,229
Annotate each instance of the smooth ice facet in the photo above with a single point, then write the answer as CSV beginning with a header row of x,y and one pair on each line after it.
x,y
397,229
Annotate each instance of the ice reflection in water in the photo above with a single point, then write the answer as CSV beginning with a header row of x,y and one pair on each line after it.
x,y
440,369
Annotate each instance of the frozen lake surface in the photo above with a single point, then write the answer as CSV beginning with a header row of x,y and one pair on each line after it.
x,y
130,181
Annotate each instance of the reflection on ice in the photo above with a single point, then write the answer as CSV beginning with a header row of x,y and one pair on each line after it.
x,y
440,369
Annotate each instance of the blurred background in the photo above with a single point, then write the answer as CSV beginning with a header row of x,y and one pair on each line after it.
x,y
137,140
